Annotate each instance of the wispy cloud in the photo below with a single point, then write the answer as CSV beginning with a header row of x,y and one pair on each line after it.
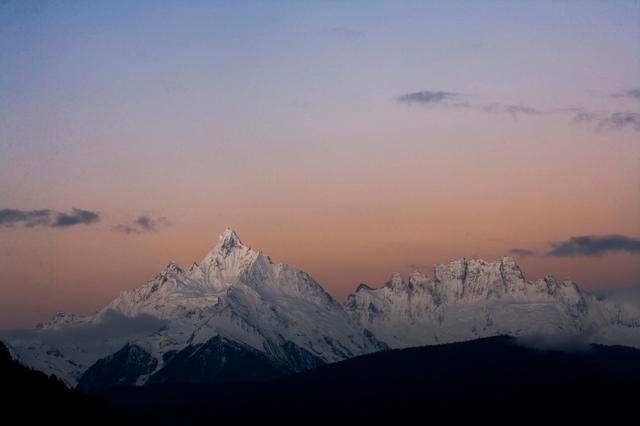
x,y
581,116
47,218
599,120
628,296
616,120
631,93
594,245
621,119
141,225
111,325
513,110
428,97
522,252
455,99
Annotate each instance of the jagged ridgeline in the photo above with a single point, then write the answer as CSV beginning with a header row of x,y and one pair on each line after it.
x,y
237,316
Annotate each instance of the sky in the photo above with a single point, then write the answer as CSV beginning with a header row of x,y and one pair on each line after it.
x,y
347,139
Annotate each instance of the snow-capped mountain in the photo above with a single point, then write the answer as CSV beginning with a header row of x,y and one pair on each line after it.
x,y
236,315
468,299
236,298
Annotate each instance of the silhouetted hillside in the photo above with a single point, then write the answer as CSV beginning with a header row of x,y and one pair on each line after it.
x,y
487,381
29,396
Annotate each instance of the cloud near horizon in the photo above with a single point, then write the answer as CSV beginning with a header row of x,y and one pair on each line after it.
x,y
141,225
47,218
594,245
522,252
111,325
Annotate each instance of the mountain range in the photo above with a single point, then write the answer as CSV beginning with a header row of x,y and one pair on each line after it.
x,y
238,316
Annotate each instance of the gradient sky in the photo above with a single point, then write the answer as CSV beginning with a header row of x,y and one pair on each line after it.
x,y
284,121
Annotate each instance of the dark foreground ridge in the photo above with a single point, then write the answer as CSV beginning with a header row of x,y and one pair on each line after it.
x,y
30,397
488,380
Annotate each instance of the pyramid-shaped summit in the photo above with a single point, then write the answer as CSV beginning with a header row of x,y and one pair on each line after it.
x,y
227,241
235,297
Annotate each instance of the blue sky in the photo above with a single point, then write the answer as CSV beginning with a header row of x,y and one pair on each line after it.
x,y
282,119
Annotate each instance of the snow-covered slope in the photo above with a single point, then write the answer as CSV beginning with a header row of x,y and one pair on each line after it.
x,y
238,293
235,293
467,299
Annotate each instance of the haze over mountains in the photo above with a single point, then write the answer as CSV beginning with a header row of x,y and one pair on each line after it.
x,y
237,316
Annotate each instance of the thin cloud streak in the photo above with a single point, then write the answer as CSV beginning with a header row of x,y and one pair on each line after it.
x,y
427,97
616,120
601,121
513,110
47,218
141,225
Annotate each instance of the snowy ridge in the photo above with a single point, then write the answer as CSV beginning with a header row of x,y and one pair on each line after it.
x,y
468,299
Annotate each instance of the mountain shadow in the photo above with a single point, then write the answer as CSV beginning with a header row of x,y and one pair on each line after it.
x,y
214,361
122,368
31,397
491,380
217,360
